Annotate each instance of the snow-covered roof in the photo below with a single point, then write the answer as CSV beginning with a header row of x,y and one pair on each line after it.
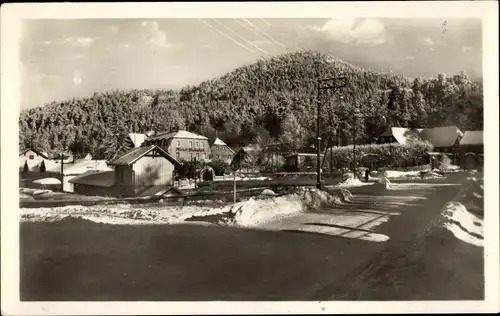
x,y
401,134
95,177
445,136
178,134
472,138
137,139
79,167
219,142
135,154
40,153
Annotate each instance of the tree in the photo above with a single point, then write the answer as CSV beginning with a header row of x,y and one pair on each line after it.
x,y
259,96
42,167
292,134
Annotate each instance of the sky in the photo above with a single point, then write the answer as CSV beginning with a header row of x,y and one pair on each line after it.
x,y
62,59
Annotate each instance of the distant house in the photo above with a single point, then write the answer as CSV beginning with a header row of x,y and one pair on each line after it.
x,y
94,182
471,148
301,162
399,135
32,157
182,145
70,170
142,168
443,139
67,157
220,151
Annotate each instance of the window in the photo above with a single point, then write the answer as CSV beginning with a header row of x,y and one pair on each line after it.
x,y
198,156
32,157
203,156
202,145
197,145
178,143
190,144
191,156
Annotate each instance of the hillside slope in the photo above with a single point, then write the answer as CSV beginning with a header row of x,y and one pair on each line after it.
x,y
274,99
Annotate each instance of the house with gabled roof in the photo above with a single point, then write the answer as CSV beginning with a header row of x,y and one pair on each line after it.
x,y
31,157
220,151
181,144
142,168
444,139
471,148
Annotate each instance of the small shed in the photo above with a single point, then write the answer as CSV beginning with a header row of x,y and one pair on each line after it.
x,y
142,168
94,182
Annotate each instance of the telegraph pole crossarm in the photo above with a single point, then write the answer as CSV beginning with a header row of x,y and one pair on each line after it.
x,y
324,84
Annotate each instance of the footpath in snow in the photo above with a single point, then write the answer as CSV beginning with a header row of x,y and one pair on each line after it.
x,y
444,261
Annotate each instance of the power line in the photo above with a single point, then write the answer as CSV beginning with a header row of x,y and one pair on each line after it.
x,y
227,36
237,34
252,30
267,35
264,20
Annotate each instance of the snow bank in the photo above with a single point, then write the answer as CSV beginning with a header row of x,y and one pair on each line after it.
x,y
250,213
348,180
462,216
412,174
253,213
121,214
464,225
48,181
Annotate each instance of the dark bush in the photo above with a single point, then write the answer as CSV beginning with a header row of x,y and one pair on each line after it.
x,y
220,167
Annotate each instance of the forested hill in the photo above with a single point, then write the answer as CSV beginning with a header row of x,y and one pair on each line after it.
x,y
271,100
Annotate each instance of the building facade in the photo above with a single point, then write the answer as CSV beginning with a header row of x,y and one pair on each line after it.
x,y
182,145
142,168
220,151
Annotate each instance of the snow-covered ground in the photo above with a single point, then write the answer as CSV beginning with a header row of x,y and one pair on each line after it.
x,y
252,212
186,184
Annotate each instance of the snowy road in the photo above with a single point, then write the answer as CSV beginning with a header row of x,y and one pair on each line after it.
x,y
360,217
311,256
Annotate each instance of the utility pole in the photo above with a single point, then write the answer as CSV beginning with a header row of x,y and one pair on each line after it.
x,y
324,84
354,121
195,173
